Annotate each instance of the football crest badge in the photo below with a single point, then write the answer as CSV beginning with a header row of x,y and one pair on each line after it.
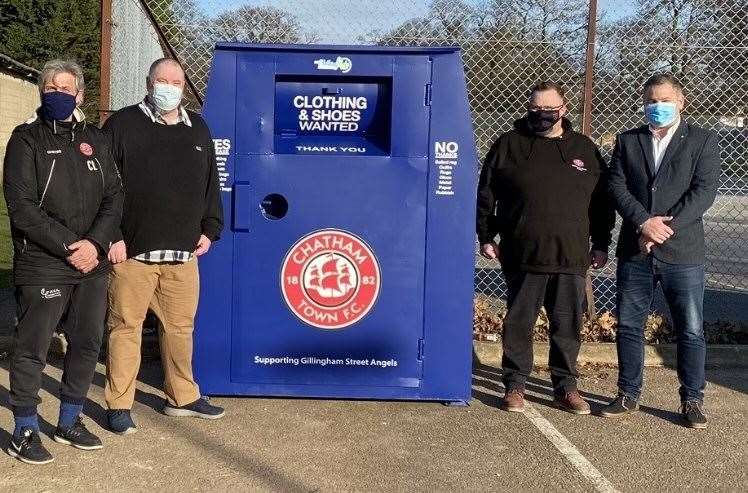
x,y
330,279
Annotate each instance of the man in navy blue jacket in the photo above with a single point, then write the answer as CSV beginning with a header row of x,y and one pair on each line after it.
x,y
663,178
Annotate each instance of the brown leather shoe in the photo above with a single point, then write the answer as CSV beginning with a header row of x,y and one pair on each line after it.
x,y
514,400
572,402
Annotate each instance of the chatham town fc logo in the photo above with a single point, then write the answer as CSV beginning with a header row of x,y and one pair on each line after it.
x,y
86,149
330,279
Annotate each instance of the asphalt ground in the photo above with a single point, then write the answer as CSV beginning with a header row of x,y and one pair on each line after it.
x,y
333,445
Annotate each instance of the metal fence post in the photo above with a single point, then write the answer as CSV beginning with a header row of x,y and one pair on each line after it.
x,y
106,60
587,119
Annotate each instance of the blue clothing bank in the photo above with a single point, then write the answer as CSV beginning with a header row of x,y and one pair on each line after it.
x,y
346,267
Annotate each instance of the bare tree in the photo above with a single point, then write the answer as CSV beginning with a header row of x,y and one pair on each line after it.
x,y
541,20
507,46
258,25
684,37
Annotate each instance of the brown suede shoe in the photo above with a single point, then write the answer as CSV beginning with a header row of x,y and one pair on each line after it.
x,y
572,402
514,400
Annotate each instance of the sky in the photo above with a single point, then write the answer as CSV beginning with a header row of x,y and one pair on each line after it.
x,y
341,21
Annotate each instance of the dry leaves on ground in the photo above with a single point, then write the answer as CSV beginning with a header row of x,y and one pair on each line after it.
x,y
488,325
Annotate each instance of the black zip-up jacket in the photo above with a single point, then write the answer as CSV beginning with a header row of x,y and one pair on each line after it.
x,y
546,199
61,185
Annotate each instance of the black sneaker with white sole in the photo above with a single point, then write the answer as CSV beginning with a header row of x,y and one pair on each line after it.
x,y
78,436
201,408
28,448
622,405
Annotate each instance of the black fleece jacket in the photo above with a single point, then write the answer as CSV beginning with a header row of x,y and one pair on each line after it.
x,y
545,198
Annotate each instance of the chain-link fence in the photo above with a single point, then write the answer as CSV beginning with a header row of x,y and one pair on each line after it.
x,y
507,45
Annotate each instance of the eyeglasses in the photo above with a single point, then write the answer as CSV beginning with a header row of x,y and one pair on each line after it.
x,y
533,107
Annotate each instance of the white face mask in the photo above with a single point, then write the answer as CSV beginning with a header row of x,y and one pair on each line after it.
x,y
166,97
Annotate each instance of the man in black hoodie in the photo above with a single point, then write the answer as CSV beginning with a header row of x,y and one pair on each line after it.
x,y
542,189
65,204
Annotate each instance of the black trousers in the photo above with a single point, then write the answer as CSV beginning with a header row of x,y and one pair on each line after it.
x,y
40,309
563,296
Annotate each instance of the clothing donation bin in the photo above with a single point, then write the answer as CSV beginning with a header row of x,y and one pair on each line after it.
x,y
346,266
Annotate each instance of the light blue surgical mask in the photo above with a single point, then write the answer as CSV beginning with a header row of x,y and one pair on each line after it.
x,y
166,97
661,114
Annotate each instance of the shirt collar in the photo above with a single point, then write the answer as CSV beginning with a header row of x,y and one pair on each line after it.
x,y
147,107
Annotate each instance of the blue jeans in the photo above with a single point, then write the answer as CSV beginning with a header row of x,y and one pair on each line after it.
x,y
683,286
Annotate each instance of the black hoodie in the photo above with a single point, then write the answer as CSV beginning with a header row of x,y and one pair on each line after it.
x,y
545,198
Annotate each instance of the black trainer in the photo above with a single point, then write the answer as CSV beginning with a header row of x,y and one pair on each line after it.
x,y
692,413
28,448
198,409
622,404
78,436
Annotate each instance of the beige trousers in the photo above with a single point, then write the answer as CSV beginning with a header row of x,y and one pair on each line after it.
x,y
171,291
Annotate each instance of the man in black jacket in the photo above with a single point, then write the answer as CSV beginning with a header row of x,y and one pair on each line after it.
x,y
171,215
663,177
542,189
65,202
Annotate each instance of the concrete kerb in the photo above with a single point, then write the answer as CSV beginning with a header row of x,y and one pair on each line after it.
x,y
655,355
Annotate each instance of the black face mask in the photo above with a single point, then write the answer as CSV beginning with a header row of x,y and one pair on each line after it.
x,y
542,121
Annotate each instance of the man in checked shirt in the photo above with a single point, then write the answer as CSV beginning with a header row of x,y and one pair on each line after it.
x,y
171,215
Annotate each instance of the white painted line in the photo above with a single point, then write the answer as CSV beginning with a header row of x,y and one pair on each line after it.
x,y
569,451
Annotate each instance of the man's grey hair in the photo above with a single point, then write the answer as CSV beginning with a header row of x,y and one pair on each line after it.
x,y
156,64
58,66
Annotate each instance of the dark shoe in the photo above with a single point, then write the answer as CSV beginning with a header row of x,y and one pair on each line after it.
x,y
572,402
120,421
78,436
198,409
692,413
514,400
620,406
28,448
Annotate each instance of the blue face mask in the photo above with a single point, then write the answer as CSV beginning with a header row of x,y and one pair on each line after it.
x,y
166,97
661,114
57,105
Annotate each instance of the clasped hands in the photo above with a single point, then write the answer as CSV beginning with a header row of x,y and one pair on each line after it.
x,y
84,256
655,231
